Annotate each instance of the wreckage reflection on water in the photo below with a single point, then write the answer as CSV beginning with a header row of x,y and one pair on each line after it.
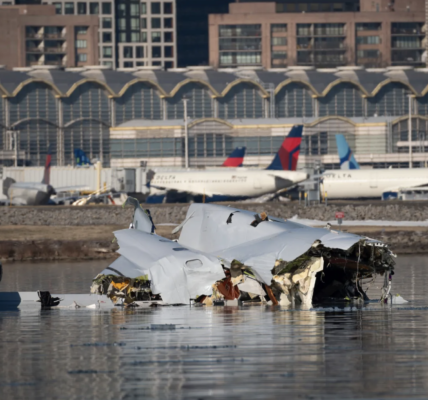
x,y
215,352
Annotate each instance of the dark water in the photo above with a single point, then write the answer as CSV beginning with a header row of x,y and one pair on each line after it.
x,y
227,353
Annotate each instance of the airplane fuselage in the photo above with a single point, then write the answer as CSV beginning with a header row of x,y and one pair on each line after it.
x,y
352,184
30,193
234,183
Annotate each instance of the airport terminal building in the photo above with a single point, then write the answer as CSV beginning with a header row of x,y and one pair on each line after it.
x,y
135,117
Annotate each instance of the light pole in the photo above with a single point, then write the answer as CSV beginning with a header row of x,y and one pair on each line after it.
x,y
186,133
410,132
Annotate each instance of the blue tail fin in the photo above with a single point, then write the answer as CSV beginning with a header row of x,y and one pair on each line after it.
x,y
81,158
347,159
236,158
288,154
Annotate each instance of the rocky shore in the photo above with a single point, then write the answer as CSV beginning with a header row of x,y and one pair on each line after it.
x,y
35,233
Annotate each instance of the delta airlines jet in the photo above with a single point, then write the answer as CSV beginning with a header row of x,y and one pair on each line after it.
x,y
237,184
354,183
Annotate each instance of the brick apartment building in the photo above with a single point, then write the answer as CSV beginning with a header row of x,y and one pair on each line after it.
x,y
279,34
35,35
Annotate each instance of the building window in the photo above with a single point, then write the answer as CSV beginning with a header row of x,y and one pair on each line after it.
x,y
94,8
167,37
156,8
82,57
139,52
81,30
169,64
140,63
128,64
156,23
279,41
135,24
127,52
156,52
167,8
107,52
156,63
134,10
144,37
329,29
279,55
69,8
368,39
81,8
277,28
121,10
167,22
303,29
143,23
106,37
122,37
240,30
240,58
108,64
156,37
371,26
107,23
168,51
58,8
143,8
368,53
121,24
406,42
106,7
135,37
81,44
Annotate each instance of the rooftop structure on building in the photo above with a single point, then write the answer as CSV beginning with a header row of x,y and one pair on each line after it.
x,y
322,34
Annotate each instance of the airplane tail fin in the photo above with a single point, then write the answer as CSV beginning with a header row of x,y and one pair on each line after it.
x,y
236,158
347,159
288,154
47,173
81,158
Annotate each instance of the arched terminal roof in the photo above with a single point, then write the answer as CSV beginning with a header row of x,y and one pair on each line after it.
x,y
218,81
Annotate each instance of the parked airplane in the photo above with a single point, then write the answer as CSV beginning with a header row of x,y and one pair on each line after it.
x,y
238,184
33,193
236,158
382,183
347,159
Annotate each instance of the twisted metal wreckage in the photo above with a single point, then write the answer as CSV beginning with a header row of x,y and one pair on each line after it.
x,y
224,254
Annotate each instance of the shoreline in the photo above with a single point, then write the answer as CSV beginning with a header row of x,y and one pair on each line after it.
x,y
49,243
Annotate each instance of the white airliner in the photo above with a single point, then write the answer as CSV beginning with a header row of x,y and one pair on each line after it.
x,y
236,184
371,183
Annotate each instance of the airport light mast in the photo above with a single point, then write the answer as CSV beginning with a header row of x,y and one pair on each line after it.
x,y
410,132
186,133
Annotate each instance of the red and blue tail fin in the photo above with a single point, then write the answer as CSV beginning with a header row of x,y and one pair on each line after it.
x,y
47,173
288,153
236,158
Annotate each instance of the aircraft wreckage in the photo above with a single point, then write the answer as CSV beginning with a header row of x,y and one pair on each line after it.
x,y
225,254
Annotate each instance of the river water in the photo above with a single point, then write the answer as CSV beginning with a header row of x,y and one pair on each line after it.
x,y
380,352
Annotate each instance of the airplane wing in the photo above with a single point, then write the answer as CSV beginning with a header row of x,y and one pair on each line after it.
x,y
70,188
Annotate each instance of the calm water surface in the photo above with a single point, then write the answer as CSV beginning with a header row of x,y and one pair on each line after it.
x,y
221,352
